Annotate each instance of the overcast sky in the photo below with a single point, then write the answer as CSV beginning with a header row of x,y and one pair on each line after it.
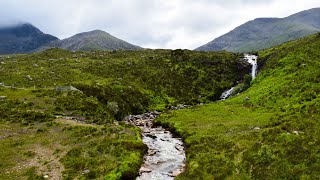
x,y
147,23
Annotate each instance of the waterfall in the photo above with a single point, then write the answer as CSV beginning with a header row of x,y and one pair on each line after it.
x,y
226,94
252,59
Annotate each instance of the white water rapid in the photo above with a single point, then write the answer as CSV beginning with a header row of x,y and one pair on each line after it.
x,y
165,158
252,59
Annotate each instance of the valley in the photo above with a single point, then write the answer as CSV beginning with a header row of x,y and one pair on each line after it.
x,y
92,106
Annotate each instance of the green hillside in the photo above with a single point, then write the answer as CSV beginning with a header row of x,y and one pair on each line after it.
x,y
58,108
271,131
262,33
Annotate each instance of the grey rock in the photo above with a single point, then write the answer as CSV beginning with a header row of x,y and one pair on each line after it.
x,y
3,97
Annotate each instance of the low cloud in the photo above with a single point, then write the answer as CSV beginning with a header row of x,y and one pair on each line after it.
x,y
147,23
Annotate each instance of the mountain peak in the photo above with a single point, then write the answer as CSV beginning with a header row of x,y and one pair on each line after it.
x,y
92,40
22,38
262,33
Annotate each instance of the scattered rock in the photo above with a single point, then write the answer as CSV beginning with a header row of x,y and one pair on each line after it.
x,y
3,97
256,128
295,132
29,77
86,171
179,106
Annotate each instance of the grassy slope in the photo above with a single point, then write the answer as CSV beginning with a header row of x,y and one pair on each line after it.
x,y
33,143
223,139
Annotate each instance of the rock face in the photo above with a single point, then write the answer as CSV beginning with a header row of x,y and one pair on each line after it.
x,y
262,33
93,40
22,38
165,158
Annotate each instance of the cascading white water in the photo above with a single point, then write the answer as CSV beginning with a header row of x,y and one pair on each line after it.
x,y
226,94
252,59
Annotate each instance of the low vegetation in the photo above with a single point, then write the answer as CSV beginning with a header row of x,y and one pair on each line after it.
x,y
58,109
268,132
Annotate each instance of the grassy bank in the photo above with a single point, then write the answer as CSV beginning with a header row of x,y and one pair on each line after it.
x,y
49,128
268,132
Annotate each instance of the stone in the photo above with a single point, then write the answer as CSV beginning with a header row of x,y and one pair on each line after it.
x,y
151,136
144,170
86,171
46,176
35,65
256,128
3,63
295,132
152,152
246,98
29,77
3,97
176,172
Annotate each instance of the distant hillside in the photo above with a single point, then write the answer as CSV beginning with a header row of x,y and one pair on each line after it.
x,y
262,33
93,40
22,38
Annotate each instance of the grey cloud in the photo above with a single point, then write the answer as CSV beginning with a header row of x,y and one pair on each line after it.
x,y
148,23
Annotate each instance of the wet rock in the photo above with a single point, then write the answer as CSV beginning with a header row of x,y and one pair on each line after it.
x,y
146,130
144,170
175,173
152,152
179,147
151,136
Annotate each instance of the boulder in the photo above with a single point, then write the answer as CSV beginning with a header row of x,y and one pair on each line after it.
x,y
3,97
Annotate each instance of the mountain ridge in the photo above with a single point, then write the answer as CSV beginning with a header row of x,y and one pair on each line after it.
x,y
22,38
262,33
91,40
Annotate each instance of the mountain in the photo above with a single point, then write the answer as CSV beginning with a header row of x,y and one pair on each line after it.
x,y
262,33
22,38
92,40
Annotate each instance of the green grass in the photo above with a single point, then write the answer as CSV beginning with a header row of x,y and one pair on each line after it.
x,y
113,85
284,103
67,150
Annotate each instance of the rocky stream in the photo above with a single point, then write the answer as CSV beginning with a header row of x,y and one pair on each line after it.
x,y
165,158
